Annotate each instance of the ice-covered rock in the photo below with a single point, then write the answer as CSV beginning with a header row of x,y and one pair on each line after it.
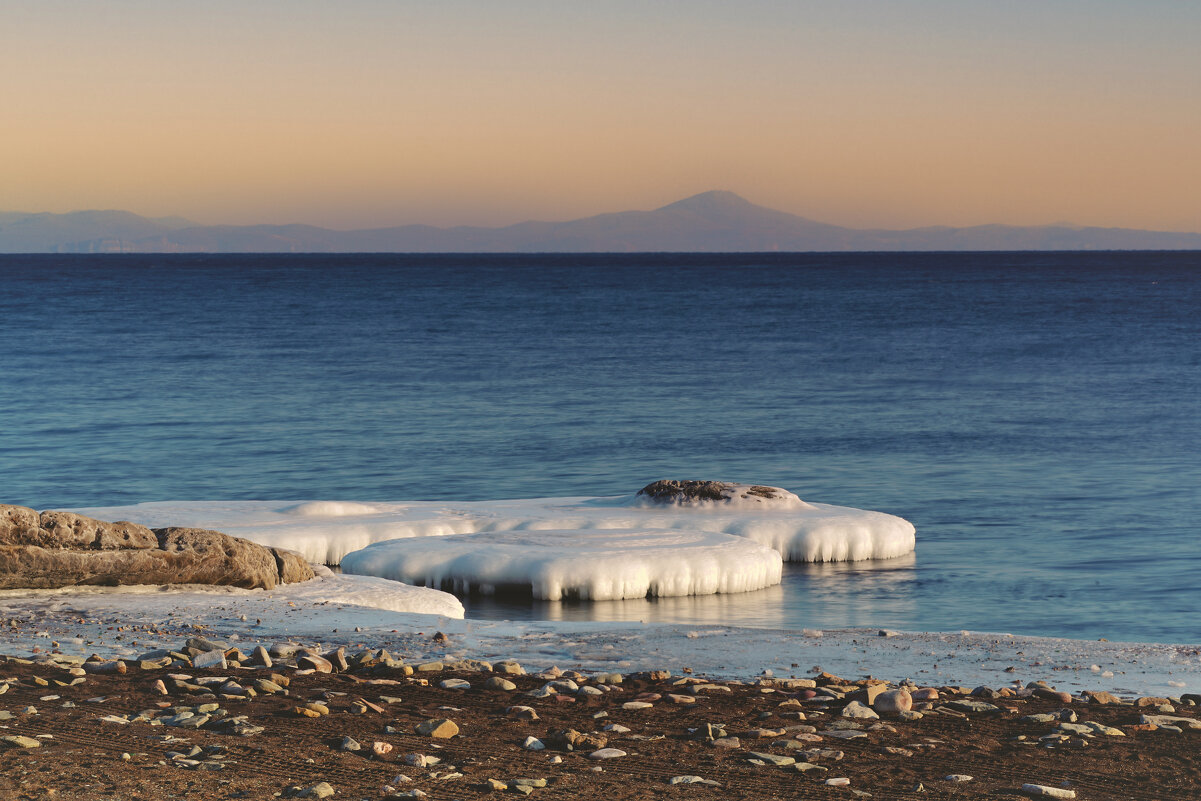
x,y
670,492
325,531
591,564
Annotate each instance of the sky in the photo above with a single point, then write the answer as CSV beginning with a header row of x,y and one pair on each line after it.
x,y
364,113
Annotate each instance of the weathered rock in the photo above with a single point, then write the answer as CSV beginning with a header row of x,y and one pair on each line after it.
x,y
318,790
290,567
63,549
66,530
20,741
497,683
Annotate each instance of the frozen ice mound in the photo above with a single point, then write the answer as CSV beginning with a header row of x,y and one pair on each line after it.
x,y
373,593
588,564
326,531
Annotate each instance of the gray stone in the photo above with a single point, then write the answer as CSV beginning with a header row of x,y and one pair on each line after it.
x,y
607,753
209,659
771,759
974,707
857,710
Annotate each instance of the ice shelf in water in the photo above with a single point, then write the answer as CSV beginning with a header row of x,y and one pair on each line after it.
x,y
326,531
589,564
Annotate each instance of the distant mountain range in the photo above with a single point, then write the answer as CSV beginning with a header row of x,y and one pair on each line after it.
x,y
708,222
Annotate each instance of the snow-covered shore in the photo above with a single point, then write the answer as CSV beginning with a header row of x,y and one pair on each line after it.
x,y
124,622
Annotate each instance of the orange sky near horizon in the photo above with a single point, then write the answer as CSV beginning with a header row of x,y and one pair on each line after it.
x,y
386,112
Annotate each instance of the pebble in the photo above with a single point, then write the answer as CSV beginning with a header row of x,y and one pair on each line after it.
x,y
498,683
772,759
857,710
533,744
349,744
692,780
636,705
440,728
454,684
420,760
958,777
607,753
1047,792
841,781
318,790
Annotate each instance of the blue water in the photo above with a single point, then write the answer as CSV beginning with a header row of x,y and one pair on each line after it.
x,y
1037,416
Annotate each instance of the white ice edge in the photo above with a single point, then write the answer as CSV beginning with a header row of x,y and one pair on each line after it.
x,y
326,617
588,564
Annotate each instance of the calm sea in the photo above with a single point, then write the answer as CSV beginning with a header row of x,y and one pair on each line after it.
x,y
1037,416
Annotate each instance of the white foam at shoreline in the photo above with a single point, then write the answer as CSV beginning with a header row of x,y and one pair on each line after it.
x,y
587,564
326,531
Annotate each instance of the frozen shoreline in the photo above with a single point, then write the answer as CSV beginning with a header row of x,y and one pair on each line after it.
x,y
83,622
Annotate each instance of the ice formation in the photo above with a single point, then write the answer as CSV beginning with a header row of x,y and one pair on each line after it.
x,y
326,531
327,589
589,564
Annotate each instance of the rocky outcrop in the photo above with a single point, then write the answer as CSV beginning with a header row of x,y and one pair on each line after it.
x,y
690,493
62,549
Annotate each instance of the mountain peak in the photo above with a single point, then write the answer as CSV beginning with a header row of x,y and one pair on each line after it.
x,y
715,200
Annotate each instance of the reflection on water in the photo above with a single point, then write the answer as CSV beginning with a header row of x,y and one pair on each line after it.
x,y
869,593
